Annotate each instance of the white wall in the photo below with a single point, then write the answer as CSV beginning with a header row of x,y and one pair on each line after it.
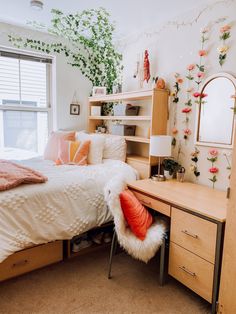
x,y
68,80
173,46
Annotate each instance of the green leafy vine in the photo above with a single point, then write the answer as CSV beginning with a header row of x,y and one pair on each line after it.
x,y
86,39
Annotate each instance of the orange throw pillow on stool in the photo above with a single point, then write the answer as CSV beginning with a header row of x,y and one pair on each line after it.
x,y
137,216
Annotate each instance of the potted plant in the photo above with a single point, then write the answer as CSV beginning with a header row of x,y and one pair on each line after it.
x,y
170,168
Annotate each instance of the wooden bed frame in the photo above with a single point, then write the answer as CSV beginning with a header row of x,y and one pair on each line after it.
x,y
42,255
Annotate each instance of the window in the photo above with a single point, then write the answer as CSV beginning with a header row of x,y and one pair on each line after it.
x,y
24,102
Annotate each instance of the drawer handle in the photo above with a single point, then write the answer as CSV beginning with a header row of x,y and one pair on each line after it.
x,y
187,271
20,263
146,203
190,234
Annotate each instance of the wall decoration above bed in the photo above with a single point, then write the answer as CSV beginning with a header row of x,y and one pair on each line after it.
x,y
86,39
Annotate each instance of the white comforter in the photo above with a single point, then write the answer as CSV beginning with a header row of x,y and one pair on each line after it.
x,y
71,202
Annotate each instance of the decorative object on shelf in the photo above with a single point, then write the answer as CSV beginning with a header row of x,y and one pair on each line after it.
x,y
146,67
123,129
117,89
194,159
74,109
86,40
175,95
160,146
101,129
99,91
125,110
202,54
223,49
213,156
107,109
96,111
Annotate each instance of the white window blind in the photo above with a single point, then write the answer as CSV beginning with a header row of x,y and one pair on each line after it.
x,y
24,101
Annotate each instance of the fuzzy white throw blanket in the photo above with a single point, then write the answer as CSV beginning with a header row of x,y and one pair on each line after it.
x,y
142,250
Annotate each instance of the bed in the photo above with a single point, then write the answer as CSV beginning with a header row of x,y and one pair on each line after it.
x,y
68,204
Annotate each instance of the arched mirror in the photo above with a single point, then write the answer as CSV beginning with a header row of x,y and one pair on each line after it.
x,y
216,111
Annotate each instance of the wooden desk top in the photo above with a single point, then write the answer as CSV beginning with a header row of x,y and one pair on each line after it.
x,y
197,198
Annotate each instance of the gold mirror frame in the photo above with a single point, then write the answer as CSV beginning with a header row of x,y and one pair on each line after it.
x,y
212,144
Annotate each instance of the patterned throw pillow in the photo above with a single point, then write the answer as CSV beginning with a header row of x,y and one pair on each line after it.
x,y
73,153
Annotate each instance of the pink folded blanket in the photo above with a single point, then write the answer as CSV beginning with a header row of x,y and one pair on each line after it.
x,y
12,175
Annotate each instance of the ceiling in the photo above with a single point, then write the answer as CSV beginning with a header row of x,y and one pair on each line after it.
x,y
130,15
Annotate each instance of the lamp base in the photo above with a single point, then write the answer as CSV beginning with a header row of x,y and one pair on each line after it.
x,y
158,177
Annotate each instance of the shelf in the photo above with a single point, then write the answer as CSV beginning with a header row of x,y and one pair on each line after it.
x,y
141,159
137,139
135,95
133,118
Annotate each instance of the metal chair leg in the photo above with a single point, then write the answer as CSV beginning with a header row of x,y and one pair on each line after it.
x,y
113,249
162,262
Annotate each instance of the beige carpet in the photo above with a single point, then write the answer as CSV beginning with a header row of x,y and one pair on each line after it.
x,y
81,286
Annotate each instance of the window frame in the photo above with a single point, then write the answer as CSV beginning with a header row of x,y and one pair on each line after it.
x,y
50,87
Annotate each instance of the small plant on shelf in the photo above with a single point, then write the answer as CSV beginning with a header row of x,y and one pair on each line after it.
x,y
171,166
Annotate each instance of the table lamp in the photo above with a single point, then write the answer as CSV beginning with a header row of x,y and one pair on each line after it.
x,y
160,146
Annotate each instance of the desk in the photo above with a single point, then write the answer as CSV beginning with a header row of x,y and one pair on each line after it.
x,y
198,215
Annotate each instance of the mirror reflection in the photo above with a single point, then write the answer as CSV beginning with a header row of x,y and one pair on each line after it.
x,y
216,117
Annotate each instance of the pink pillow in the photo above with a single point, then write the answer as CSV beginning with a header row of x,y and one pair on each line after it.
x,y
73,153
52,148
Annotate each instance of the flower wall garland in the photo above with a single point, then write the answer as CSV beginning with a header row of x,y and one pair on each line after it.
x,y
188,104
202,54
213,157
194,159
223,49
175,95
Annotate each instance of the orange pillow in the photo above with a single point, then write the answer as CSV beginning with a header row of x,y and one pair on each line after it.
x,y
52,147
73,152
137,216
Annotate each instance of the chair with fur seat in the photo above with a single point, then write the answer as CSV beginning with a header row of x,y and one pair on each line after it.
x,y
142,250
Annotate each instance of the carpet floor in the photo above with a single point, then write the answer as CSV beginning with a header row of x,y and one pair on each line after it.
x,y
80,285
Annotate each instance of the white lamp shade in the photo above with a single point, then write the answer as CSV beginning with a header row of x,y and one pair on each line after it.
x,y
160,145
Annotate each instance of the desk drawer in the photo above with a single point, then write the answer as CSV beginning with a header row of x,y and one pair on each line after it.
x,y
193,233
191,270
31,259
153,203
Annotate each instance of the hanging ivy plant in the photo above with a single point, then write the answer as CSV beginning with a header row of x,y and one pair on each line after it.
x,y
86,39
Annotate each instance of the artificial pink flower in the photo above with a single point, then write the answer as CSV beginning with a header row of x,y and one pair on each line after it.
x,y
202,53
197,94
191,67
174,131
225,29
202,95
187,131
186,110
213,152
200,74
213,170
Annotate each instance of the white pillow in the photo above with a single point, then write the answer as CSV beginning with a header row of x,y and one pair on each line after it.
x,y
115,147
96,146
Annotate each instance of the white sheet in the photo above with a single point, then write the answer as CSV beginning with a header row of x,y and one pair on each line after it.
x,y
70,203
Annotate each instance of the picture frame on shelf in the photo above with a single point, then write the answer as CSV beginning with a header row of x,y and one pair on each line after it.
x,y
99,91
74,109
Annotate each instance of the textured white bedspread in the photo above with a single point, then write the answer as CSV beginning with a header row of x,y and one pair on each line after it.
x,y
71,202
